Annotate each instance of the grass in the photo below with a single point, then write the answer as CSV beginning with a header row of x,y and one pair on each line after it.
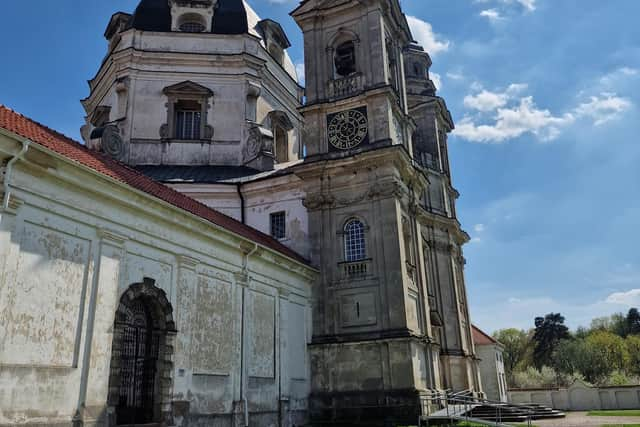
x,y
627,413
469,424
621,425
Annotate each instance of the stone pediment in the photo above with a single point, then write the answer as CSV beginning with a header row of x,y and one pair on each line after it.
x,y
271,29
188,88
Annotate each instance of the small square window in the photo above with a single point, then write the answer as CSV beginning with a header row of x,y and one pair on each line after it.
x,y
278,225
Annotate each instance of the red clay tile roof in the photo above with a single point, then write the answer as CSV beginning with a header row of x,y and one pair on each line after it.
x,y
54,141
481,338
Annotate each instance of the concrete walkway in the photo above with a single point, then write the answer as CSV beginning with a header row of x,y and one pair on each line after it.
x,y
580,419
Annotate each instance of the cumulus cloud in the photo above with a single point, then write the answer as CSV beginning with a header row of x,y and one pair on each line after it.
x,y
514,122
513,115
629,298
489,101
603,108
423,33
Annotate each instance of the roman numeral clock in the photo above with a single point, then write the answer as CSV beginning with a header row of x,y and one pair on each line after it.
x,y
347,129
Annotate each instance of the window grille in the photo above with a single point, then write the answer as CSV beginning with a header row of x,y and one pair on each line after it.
x,y
192,27
188,124
278,225
354,242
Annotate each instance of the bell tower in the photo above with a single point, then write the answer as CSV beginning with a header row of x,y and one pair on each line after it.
x,y
373,352
355,85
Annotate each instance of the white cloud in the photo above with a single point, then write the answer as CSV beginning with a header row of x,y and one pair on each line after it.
x,y
515,115
423,33
479,228
485,101
436,79
300,72
492,15
513,122
629,298
603,108
455,76
529,5
489,101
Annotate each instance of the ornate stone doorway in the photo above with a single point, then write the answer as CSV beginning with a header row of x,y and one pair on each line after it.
x,y
140,379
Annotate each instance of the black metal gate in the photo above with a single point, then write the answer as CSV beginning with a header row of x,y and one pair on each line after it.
x,y
138,366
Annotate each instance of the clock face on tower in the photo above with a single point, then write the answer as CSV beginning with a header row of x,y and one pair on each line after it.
x,y
347,129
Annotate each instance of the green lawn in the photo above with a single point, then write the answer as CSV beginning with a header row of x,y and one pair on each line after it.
x,y
468,424
627,413
621,425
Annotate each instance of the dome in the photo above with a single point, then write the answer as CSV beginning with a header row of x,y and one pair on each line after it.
x,y
155,15
231,17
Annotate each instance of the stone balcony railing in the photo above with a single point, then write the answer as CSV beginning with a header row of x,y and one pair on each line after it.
x,y
356,269
345,86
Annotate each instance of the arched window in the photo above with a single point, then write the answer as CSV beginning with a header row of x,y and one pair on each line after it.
x,y
354,242
345,59
191,23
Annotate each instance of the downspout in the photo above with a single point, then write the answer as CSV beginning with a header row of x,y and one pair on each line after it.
x,y
243,356
242,203
7,178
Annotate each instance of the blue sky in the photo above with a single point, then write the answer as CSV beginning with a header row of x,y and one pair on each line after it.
x,y
545,94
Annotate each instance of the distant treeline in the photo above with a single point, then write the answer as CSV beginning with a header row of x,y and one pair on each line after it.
x,y
606,353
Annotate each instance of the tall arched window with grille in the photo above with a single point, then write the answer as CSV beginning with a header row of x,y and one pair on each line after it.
x,y
354,241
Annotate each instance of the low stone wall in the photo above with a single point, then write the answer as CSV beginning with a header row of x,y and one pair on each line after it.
x,y
581,397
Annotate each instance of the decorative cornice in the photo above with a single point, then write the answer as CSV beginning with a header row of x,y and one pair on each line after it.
x,y
185,261
242,279
14,204
112,238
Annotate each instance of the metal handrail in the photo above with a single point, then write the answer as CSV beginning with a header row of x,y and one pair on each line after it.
x,y
466,399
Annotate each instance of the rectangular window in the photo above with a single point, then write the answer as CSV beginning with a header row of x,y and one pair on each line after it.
x,y
187,124
278,225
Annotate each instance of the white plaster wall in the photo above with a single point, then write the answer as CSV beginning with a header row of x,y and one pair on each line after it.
x,y
491,370
262,198
63,275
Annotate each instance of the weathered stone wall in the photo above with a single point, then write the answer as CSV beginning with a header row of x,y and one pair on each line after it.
x,y
246,83
74,242
580,397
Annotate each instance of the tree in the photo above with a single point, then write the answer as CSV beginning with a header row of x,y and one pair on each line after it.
x,y
610,348
516,345
616,324
633,348
549,331
633,322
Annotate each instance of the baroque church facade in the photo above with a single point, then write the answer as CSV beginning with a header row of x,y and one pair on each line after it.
x,y
331,290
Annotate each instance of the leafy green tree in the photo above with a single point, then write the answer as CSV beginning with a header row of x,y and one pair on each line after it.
x,y
633,322
516,347
549,331
616,324
610,347
633,349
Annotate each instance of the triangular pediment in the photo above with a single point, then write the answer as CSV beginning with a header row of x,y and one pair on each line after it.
x,y
187,88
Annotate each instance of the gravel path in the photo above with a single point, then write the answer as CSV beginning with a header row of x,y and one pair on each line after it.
x,y
580,419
